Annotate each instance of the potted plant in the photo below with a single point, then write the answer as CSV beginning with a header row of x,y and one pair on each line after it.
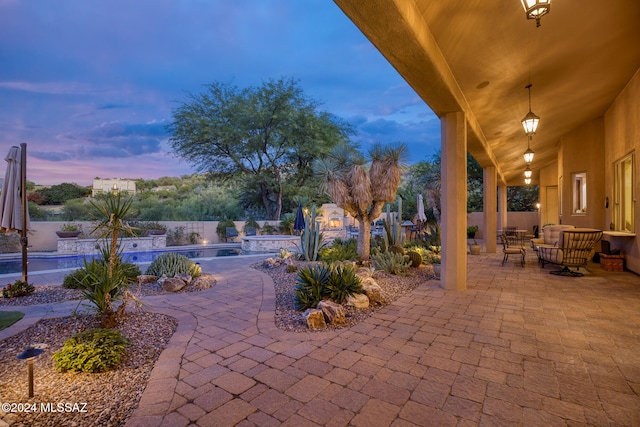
x,y
155,229
69,230
474,248
471,231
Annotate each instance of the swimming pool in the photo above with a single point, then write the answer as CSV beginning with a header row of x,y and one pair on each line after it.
x,y
57,262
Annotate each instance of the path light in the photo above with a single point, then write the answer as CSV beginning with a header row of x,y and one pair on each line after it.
x,y
29,354
536,9
530,121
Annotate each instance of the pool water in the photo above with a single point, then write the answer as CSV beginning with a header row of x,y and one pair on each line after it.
x,y
42,263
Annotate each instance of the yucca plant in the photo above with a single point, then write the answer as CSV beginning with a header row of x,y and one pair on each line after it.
x,y
311,283
342,283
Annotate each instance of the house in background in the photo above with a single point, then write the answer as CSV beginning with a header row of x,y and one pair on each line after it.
x,y
113,185
472,62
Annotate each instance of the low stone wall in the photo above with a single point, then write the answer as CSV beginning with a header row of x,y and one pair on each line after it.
x,y
269,243
130,244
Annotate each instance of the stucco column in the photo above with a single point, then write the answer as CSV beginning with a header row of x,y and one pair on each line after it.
x,y
502,207
490,208
453,198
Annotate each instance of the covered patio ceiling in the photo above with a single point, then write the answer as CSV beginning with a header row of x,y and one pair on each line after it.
x,y
477,56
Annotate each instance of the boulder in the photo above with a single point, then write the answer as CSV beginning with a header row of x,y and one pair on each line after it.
x,y
357,301
314,318
184,277
203,282
143,278
173,284
372,290
334,313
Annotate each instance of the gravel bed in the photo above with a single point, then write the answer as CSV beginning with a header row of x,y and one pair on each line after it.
x,y
110,397
289,319
47,294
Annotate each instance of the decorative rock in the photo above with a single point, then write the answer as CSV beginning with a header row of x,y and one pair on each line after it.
x,y
314,318
203,282
334,313
173,284
372,290
184,277
143,278
358,301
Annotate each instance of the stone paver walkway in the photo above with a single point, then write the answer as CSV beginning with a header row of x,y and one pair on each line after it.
x,y
519,347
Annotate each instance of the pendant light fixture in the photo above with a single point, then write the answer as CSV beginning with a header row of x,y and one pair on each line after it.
x,y
528,155
527,172
530,121
535,9
527,181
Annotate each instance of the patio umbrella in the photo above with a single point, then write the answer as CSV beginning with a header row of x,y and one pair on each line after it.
x,y
421,216
298,223
13,200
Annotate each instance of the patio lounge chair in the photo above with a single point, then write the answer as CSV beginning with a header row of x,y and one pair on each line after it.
x,y
574,249
509,248
231,233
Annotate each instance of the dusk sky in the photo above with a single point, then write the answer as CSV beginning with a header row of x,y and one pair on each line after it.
x,y
91,85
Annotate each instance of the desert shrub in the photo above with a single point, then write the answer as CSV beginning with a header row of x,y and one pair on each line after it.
x,y
172,263
286,223
17,289
268,229
317,282
94,350
292,268
78,279
340,251
176,236
390,262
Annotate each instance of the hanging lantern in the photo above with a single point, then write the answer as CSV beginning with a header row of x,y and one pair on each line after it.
x,y
530,121
527,172
536,9
528,155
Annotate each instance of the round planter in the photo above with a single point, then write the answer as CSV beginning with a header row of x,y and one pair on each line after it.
x,y
436,269
157,232
474,249
68,234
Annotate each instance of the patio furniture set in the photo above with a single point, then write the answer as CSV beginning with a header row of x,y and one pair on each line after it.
x,y
562,245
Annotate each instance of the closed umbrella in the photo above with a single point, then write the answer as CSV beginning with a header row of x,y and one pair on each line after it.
x,y
298,223
421,216
13,200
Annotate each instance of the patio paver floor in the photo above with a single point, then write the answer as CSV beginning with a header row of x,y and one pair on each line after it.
x,y
518,347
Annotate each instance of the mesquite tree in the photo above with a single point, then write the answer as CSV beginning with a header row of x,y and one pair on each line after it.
x,y
266,136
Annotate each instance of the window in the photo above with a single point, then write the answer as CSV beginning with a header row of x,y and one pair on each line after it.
x,y
624,194
579,181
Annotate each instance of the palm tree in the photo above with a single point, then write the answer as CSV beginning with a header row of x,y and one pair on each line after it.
x,y
360,190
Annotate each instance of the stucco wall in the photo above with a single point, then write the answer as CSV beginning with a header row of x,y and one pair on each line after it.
x,y
622,136
583,151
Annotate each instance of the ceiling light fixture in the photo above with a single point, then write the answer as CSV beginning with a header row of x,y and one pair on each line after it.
x,y
527,181
535,9
527,172
528,155
530,121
